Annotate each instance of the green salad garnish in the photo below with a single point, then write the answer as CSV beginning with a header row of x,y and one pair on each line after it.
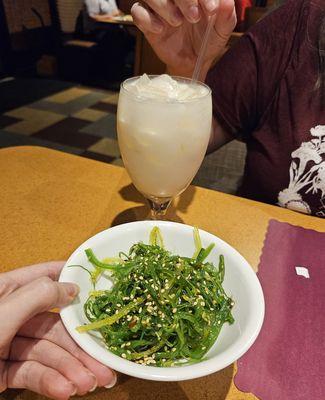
x,y
163,309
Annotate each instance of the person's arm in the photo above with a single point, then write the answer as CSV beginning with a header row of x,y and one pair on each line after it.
x,y
219,136
179,48
245,78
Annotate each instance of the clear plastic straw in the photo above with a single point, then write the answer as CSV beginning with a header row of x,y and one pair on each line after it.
x,y
199,61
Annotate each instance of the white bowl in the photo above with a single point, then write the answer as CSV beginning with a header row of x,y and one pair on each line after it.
x,y
240,283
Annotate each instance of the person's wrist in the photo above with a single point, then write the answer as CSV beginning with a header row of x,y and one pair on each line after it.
x,y
188,72
185,73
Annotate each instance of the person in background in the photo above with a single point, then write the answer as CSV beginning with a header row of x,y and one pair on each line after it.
x,y
36,352
100,10
96,11
268,90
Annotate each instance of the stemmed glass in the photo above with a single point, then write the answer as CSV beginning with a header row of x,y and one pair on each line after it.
x,y
163,141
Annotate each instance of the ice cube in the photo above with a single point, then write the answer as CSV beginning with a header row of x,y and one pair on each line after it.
x,y
165,87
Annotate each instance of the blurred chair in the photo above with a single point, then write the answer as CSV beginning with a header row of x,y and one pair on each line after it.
x,y
75,52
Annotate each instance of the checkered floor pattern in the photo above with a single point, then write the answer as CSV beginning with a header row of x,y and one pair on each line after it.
x,y
77,120
82,121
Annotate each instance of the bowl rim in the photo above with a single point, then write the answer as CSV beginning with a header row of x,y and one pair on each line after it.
x,y
178,373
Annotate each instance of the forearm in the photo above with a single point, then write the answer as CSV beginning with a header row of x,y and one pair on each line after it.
x,y
219,137
188,72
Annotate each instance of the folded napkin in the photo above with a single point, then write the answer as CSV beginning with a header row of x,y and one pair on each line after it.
x,y
287,361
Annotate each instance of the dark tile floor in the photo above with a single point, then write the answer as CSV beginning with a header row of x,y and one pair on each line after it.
x,y
82,120
76,119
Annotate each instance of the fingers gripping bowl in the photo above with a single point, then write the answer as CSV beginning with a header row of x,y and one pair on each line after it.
x,y
241,289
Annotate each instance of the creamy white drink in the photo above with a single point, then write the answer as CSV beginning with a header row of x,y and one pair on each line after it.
x,y
164,126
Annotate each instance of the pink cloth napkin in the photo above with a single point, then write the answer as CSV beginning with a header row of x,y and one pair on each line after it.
x,y
287,361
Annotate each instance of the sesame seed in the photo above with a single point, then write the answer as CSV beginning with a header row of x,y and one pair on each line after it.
x,y
122,345
173,349
123,355
118,305
128,351
163,360
162,290
174,310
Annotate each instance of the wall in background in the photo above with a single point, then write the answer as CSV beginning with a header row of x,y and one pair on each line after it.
x,y
20,14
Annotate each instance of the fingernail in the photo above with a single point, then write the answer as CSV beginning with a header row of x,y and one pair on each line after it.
x,y
178,16
211,5
93,388
74,392
112,382
194,13
94,379
73,290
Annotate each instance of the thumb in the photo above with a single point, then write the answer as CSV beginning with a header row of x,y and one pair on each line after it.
x,y
225,21
36,297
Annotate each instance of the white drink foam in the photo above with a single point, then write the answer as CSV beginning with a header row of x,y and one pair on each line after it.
x,y
164,87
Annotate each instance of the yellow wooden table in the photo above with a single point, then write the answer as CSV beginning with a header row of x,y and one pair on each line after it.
x,y
51,202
